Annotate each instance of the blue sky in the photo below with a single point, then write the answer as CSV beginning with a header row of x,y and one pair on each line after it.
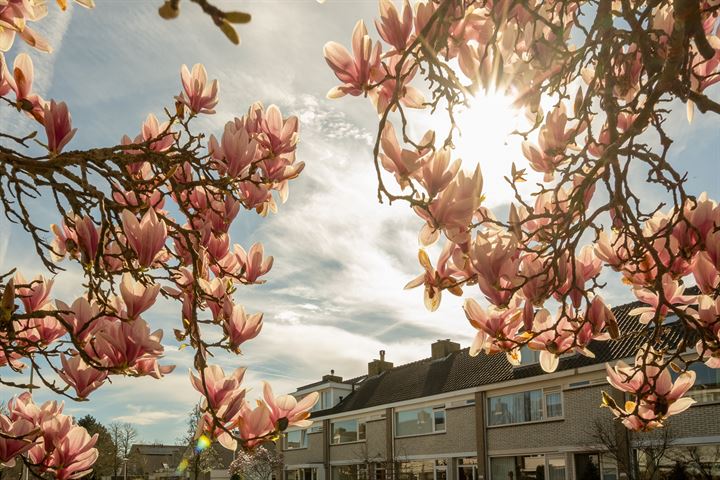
x,y
334,296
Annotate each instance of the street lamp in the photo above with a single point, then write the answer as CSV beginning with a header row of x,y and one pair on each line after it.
x,y
125,460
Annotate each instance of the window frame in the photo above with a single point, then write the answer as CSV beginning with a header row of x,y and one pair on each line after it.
x,y
433,409
303,439
358,422
543,407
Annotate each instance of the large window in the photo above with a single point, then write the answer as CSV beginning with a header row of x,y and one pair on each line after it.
x,y
521,407
423,470
346,431
296,439
349,472
420,421
691,462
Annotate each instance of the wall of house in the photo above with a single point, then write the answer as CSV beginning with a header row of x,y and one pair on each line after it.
x,y
312,454
354,452
580,411
459,436
376,434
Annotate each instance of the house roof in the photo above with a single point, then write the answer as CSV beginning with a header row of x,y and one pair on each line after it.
x,y
459,371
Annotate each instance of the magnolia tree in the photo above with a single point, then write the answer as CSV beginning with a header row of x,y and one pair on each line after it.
x,y
596,81
144,219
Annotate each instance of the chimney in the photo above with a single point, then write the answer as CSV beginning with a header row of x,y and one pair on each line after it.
x,y
443,348
376,367
332,377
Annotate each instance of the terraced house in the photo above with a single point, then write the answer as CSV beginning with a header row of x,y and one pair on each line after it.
x,y
456,417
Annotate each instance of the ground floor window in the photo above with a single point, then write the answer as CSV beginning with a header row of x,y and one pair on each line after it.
x,y
698,462
467,468
350,472
524,467
423,470
595,466
301,474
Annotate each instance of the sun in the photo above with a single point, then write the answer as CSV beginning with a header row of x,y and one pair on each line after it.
x,y
485,136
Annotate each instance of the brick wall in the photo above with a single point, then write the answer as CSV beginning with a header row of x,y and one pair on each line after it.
x,y
356,451
459,437
312,454
376,439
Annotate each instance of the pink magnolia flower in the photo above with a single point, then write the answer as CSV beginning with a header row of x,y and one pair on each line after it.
x,y
453,209
254,424
497,329
80,239
673,296
286,410
7,82
58,126
254,262
122,343
386,80
23,73
236,151
16,438
148,366
198,96
137,297
393,27
598,318
222,393
657,397
23,406
495,258
34,295
400,162
708,322
146,237
79,375
357,70
279,136
436,280
73,455
216,294
80,316
240,327
705,272
437,172
552,338
585,267
44,330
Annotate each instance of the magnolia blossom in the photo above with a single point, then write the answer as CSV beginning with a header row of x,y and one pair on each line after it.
x,y
137,297
240,327
393,27
198,96
673,296
82,377
498,329
146,237
35,294
58,126
254,262
286,410
656,395
356,70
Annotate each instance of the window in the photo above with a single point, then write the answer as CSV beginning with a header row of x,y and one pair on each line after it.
x,y
528,356
528,467
707,383
349,472
301,474
467,468
295,439
420,421
418,470
346,431
521,407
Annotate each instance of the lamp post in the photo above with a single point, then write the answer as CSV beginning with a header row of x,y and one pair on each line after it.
x,y
125,460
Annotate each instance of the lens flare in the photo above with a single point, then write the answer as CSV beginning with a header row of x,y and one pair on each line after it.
x,y
183,465
202,443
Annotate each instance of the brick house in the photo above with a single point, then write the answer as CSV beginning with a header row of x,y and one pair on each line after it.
x,y
456,417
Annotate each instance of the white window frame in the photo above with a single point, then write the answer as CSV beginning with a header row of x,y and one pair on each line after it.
x,y
303,439
545,418
357,421
433,408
